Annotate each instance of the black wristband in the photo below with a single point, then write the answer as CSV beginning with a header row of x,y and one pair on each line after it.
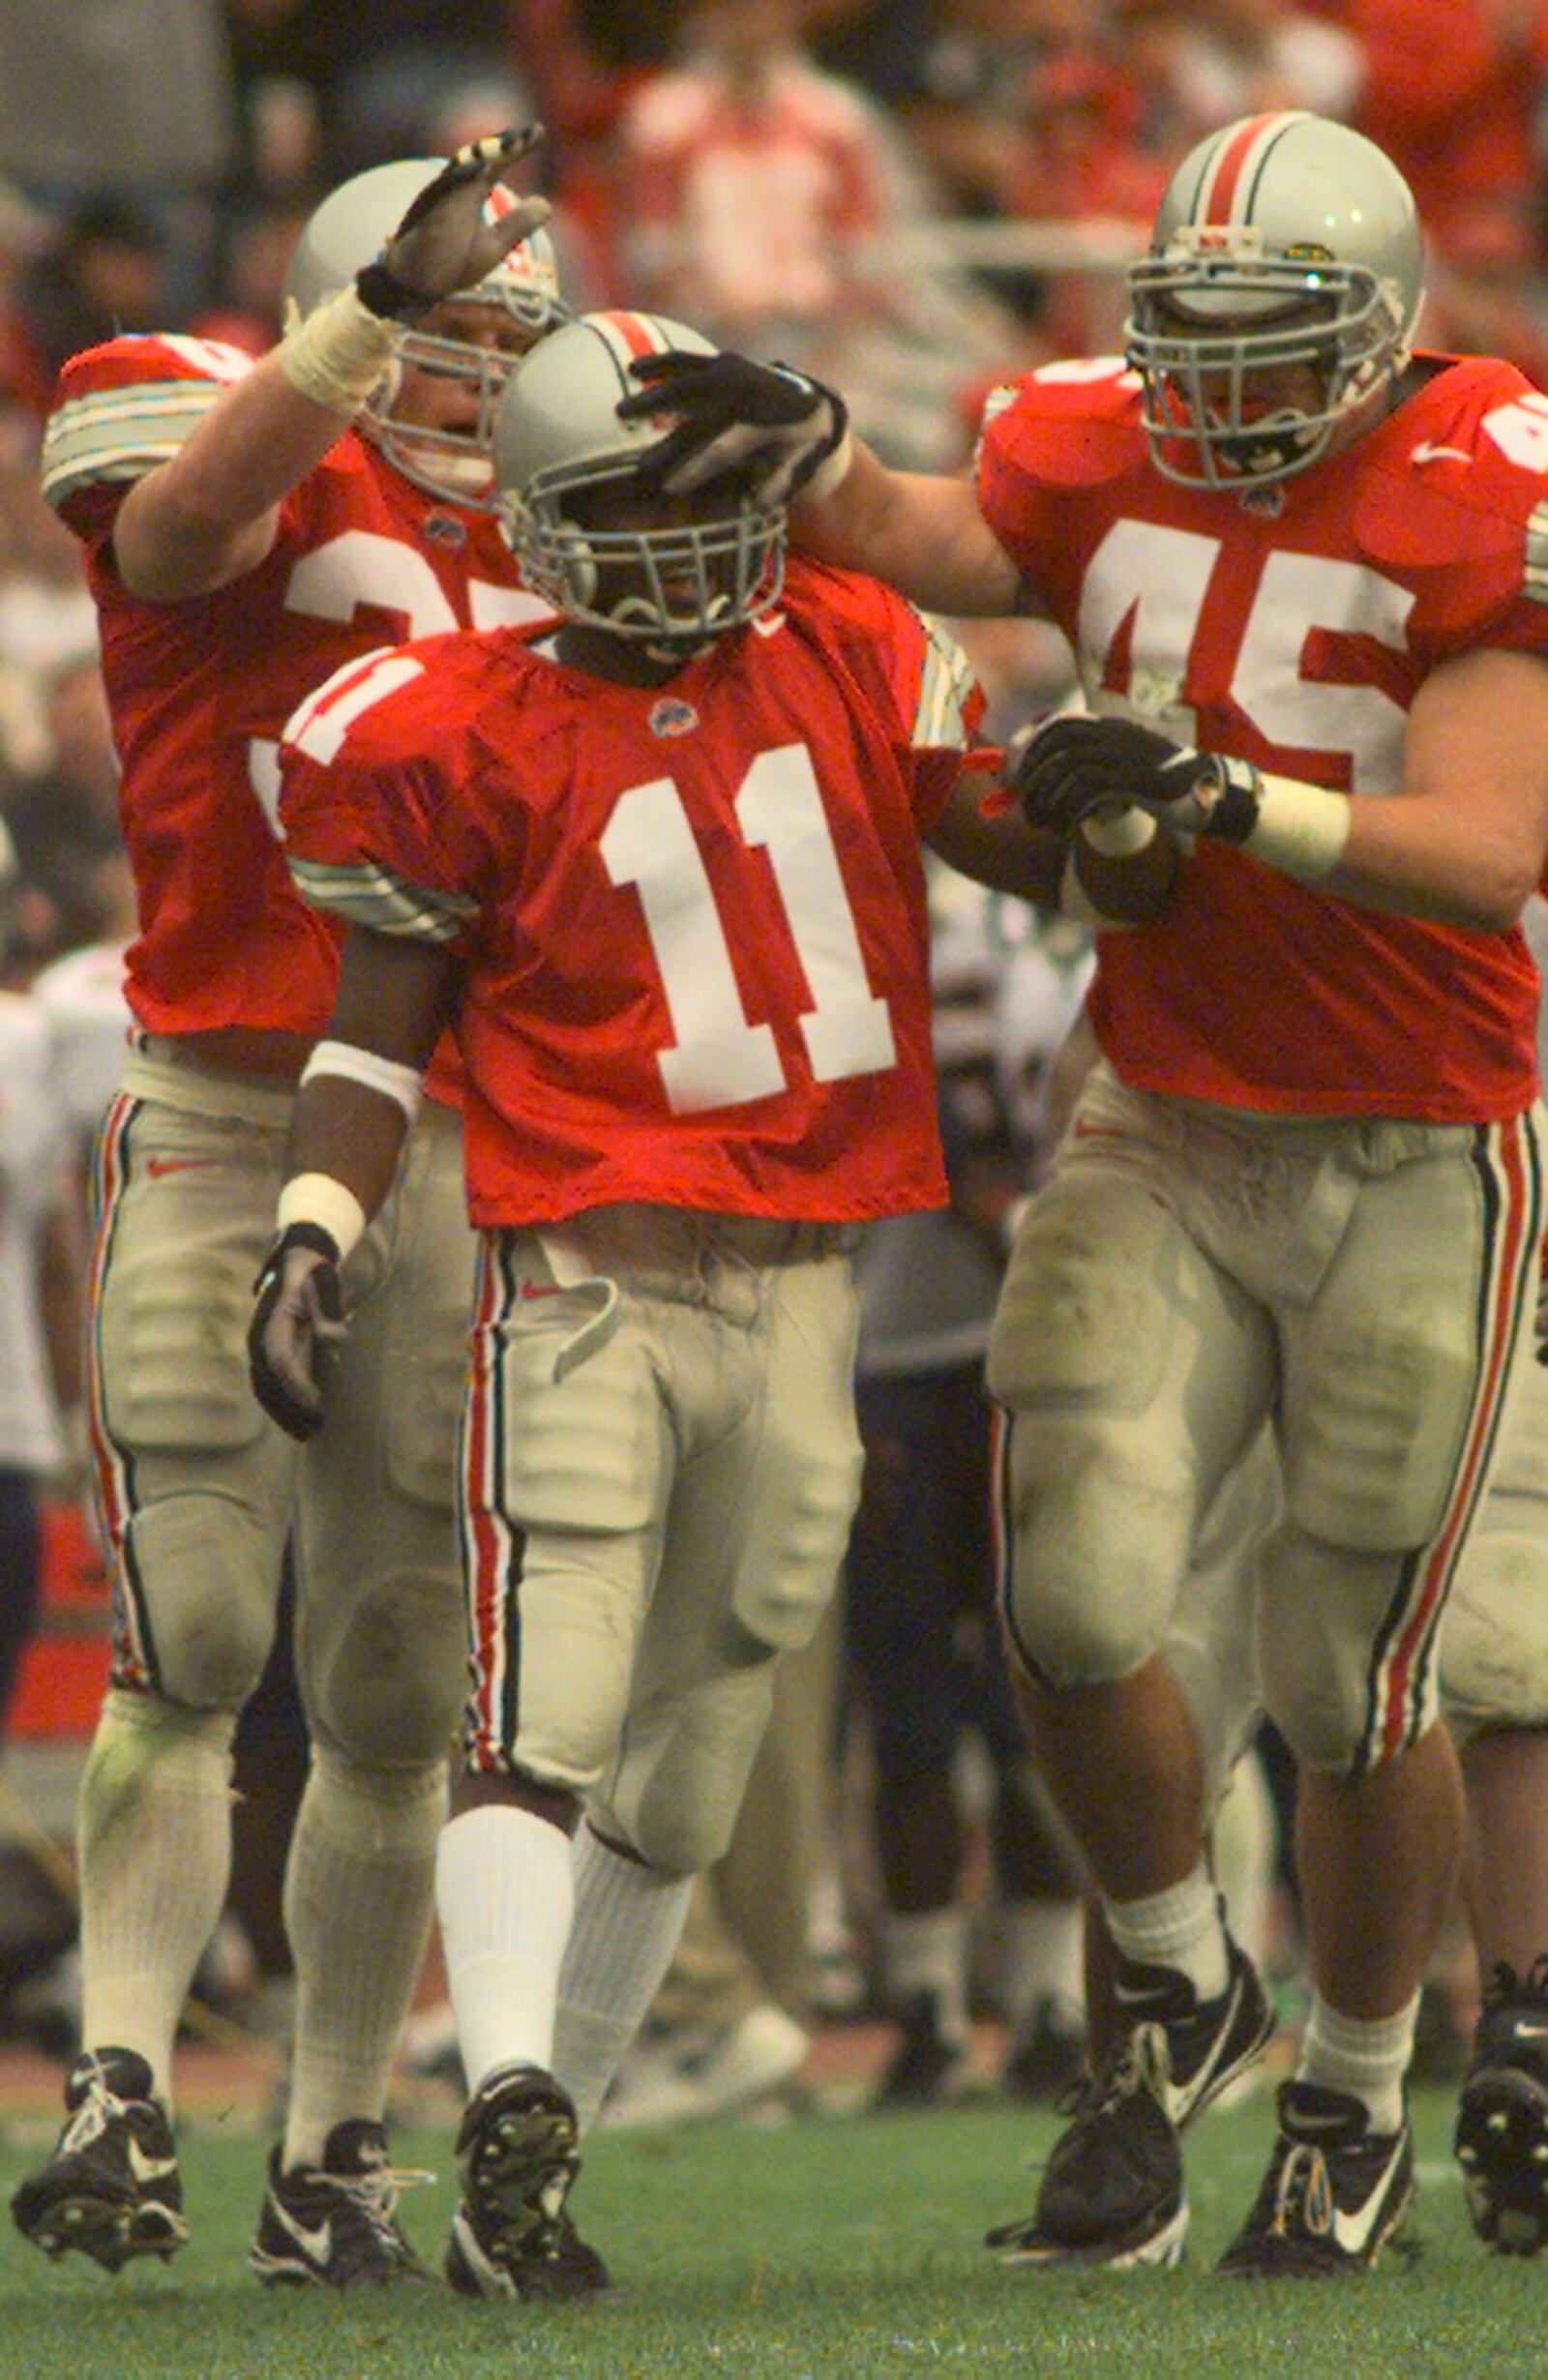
x,y
1234,812
384,295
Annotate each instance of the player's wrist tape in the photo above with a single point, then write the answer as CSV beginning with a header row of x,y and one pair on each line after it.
x,y
328,1204
1299,828
405,1085
830,472
338,354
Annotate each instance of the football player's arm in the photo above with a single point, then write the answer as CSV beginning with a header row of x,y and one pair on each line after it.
x,y
1004,853
358,1097
211,513
1460,842
923,533
1465,843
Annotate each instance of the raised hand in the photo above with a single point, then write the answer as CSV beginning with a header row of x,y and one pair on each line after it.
x,y
450,238
731,414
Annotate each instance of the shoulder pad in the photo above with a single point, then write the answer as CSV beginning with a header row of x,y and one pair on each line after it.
x,y
1452,480
123,408
1070,425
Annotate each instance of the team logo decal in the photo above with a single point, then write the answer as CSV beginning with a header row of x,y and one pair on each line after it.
x,y
1269,501
673,717
443,529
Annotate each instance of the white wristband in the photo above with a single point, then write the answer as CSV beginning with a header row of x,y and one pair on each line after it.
x,y
318,1197
405,1085
1301,829
830,472
337,355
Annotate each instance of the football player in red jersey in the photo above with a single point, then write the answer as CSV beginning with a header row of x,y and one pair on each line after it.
x,y
667,882
1302,569
245,528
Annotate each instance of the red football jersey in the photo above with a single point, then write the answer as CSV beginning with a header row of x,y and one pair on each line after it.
x,y
199,690
1291,626
693,917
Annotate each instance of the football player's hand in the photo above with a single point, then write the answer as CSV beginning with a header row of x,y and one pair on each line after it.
x,y
297,1328
732,414
1067,770
446,242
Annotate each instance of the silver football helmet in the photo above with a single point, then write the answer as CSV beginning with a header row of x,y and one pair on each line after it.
x,y
561,451
1282,240
351,226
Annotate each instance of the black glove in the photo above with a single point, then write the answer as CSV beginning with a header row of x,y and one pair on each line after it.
x,y
446,242
732,414
1069,769
297,1328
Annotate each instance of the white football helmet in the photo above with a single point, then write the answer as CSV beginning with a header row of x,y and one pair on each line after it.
x,y
1282,240
560,449
353,226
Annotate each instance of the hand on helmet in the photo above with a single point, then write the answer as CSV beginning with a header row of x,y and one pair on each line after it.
x,y
732,414
297,1328
446,242
1066,770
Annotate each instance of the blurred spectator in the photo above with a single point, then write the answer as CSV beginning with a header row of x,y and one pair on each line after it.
x,y
1451,90
102,270
752,194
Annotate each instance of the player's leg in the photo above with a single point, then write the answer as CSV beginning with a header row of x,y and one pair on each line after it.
x,y
1494,1689
567,1464
758,1530
193,1490
379,1658
1393,1391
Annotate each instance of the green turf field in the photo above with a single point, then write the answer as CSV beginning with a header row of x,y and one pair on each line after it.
x,y
843,2245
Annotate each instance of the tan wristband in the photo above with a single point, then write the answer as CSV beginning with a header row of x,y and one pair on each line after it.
x,y
830,472
338,354
330,1203
1301,829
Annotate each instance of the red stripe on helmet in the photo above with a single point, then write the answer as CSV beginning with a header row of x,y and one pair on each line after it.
x,y
1217,199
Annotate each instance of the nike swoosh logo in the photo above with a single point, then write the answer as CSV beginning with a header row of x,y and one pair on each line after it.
x,y
149,2168
1424,451
157,1167
1353,2232
318,2241
542,1288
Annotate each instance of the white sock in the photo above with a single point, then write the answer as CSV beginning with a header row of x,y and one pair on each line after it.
x,y
926,1950
357,1908
154,1829
1366,2059
1044,1945
627,1923
505,1898
1180,1927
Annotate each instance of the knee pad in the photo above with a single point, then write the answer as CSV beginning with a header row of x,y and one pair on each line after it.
x,y
1322,1610
383,1679
1494,1642
205,1567
1098,1549
679,1786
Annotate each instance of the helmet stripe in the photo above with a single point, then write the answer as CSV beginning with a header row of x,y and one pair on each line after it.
x,y
1231,182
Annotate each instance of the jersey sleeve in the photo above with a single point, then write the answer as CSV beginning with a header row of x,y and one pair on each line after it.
x,y
119,410
1066,428
920,680
377,769
1460,510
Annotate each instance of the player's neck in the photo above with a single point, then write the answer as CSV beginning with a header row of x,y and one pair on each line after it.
x,y
621,659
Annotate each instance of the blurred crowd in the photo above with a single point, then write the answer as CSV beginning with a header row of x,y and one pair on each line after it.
x,y
912,199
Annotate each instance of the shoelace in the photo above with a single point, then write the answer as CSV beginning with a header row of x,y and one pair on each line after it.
x,y
376,2194
1303,2185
